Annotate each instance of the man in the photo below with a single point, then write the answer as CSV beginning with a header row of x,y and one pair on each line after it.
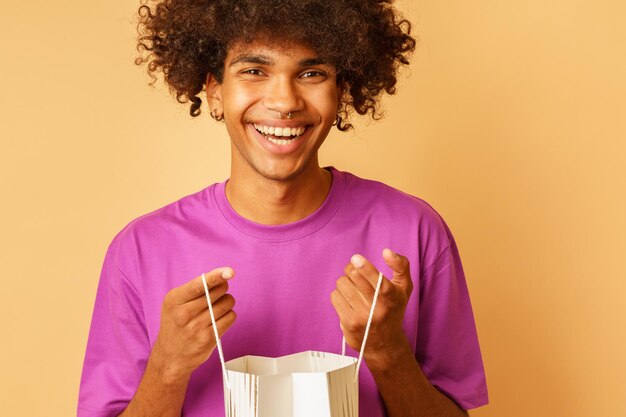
x,y
297,247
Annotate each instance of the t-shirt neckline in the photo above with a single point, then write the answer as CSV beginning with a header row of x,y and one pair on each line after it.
x,y
288,231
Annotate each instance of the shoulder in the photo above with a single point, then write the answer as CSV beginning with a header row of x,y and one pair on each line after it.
x,y
157,226
392,202
403,219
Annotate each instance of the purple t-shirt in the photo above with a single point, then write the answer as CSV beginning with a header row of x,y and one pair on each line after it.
x,y
284,275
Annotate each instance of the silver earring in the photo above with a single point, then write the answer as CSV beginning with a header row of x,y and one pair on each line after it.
x,y
215,116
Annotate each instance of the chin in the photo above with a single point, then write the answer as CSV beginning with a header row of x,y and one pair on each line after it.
x,y
281,174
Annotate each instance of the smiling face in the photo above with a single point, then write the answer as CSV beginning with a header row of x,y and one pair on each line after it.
x,y
262,80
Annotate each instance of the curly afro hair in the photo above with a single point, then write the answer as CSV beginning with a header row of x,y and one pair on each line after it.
x,y
366,40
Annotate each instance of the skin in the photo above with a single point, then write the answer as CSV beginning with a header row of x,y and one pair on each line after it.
x,y
265,187
181,345
399,378
260,80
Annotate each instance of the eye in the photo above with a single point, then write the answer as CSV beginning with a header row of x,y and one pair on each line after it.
x,y
252,71
312,74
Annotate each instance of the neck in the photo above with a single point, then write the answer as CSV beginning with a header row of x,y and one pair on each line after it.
x,y
272,202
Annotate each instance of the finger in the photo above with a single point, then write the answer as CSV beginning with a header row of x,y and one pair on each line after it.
x,y
225,322
355,299
198,305
223,306
220,308
349,319
400,267
342,307
371,274
364,286
194,288
365,268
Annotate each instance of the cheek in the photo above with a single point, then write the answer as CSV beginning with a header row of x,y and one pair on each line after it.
x,y
327,102
238,99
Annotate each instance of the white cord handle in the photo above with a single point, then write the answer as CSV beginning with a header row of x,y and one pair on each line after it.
x,y
367,328
217,336
343,347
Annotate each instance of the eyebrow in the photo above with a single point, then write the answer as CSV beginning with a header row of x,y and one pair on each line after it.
x,y
311,61
266,60
252,59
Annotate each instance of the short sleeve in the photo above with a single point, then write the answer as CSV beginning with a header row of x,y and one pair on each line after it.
x,y
118,346
447,343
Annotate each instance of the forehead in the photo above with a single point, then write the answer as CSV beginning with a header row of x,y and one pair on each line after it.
x,y
269,48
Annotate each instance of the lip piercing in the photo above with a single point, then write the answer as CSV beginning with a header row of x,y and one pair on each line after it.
x,y
281,116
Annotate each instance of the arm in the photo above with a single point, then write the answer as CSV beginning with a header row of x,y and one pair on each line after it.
x,y
399,378
185,341
158,394
405,389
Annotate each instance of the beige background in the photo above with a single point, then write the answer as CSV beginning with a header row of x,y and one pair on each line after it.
x,y
511,124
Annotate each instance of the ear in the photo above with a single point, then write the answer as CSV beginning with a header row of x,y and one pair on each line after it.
x,y
340,91
214,94
340,88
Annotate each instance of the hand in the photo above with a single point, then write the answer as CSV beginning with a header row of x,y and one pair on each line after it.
x,y
352,300
186,337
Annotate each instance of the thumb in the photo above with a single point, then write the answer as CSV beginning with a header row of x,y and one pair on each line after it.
x,y
400,266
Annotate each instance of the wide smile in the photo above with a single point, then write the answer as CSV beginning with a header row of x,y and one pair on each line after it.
x,y
277,139
280,135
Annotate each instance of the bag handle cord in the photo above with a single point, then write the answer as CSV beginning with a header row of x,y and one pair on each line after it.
x,y
343,344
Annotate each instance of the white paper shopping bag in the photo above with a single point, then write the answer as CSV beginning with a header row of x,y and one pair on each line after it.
x,y
305,384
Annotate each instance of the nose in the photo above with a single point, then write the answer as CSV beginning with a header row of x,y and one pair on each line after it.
x,y
283,96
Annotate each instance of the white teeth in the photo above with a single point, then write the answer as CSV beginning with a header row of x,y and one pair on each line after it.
x,y
280,141
280,131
